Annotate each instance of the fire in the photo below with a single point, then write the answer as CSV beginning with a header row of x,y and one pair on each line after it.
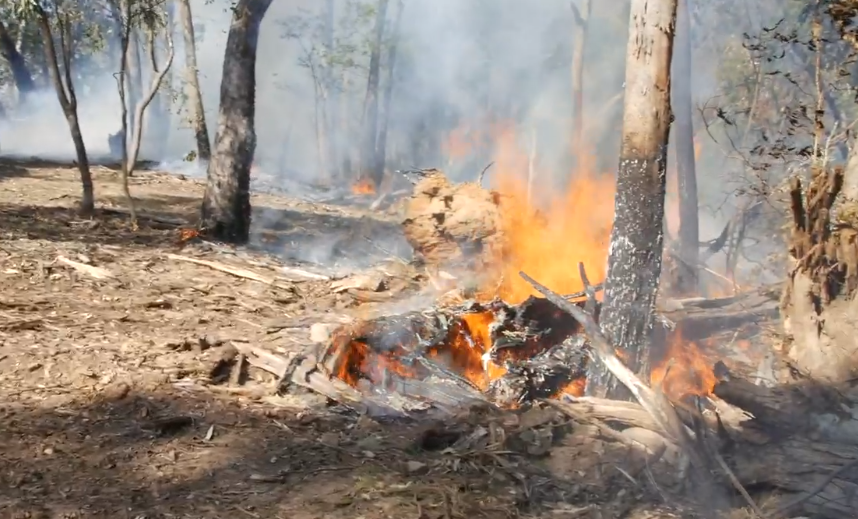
x,y
359,361
684,370
466,349
364,186
569,228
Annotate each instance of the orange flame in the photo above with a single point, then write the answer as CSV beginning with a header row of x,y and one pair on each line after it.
x,y
684,370
364,186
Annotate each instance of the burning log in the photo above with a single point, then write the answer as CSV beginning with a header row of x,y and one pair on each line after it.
x,y
447,222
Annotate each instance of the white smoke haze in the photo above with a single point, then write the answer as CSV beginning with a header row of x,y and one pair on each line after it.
x,y
473,63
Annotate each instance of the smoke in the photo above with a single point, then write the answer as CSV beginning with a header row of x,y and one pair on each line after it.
x,y
472,64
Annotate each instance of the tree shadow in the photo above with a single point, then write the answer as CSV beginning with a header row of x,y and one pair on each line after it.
x,y
166,455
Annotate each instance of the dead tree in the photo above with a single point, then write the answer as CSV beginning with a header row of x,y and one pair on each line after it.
x,y
381,147
369,131
131,153
20,72
331,109
226,203
192,83
689,234
582,20
637,238
65,91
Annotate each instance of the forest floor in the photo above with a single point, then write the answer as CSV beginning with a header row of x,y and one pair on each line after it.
x,y
110,340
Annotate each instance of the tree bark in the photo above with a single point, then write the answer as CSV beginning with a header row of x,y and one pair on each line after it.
x,y
369,136
20,72
689,234
381,147
68,100
192,85
158,114
637,238
582,20
226,203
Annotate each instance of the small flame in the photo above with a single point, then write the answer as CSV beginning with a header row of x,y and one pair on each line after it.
x,y
364,186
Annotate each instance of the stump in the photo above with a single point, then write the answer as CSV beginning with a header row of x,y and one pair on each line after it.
x,y
819,300
449,223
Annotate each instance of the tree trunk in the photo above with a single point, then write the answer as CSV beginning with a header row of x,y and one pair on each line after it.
x,y
226,203
20,72
582,20
683,132
68,100
135,74
637,238
331,109
158,114
369,132
381,148
192,86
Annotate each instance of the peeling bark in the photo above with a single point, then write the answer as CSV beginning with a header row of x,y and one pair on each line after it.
x,y
66,95
683,131
226,203
20,72
637,238
192,84
369,130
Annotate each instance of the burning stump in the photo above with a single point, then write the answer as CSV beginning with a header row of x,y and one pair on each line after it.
x,y
447,222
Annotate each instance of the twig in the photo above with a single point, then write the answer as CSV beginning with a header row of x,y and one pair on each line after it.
x,y
89,270
483,173
220,267
583,293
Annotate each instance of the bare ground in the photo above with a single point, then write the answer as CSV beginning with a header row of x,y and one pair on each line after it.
x,y
115,404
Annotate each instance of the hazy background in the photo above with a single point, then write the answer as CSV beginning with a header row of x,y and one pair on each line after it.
x,y
470,64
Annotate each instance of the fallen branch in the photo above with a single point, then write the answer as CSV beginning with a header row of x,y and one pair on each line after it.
x,y
89,270
220,267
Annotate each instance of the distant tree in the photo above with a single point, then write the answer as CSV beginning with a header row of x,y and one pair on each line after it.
x,y
57,21
20,70
192,83
369,120
226,203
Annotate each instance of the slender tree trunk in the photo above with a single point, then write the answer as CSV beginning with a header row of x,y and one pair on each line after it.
x,y
331,108
582,20
192,84
344,129
67,98
135,73
637,238
369,134
158,114
226,203
381,148
683,131
20,71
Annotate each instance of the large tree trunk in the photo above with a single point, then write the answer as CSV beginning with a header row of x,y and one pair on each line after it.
x,y
582,20
226,203
68,100
192,85
381,147
20,72
634,265
369,130
684,134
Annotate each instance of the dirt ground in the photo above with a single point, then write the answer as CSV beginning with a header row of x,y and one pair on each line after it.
x,y
113,402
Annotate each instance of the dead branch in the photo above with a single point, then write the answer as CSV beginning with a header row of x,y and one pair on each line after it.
x,y
220,267
89,270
